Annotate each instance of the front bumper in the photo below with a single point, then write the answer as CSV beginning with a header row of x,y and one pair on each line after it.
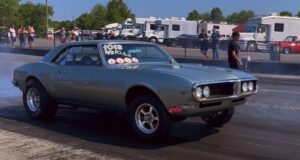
x,y
15,83
206,107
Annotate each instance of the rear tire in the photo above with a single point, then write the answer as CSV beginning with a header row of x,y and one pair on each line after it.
x,y
218,119
37,102
287,51
148,117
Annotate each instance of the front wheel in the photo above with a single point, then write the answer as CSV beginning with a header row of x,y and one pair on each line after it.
x,y
286,50
218,119
37,102
149,118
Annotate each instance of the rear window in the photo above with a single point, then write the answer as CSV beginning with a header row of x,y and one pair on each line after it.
x,y
133,53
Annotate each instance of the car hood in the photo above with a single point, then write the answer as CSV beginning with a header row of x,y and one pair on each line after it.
x,y
195,72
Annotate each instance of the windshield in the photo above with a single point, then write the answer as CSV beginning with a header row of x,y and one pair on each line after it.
x,y
133,53
290,39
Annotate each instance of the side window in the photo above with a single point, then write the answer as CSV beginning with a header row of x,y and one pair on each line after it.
x,y
175,27
79,56
279,27
60,59
91,56
216,27
74,56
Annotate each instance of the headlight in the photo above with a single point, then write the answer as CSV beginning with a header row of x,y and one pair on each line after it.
x,y
206,92
245,87
197,93
250,86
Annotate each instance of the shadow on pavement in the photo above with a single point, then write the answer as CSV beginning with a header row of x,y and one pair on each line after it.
x,y
98,127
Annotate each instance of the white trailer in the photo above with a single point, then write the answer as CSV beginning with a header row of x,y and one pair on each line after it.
x,y
171,28
223,28
260,31
135,27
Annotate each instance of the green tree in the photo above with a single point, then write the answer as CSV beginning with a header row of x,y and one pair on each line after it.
x,y
298,14
216,14
99,14
286,13
9,12
205,16
117,11
194,15
85,21
240,17
34,15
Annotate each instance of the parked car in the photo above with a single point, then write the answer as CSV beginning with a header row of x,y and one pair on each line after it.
x,y
184,40
137,78
290,45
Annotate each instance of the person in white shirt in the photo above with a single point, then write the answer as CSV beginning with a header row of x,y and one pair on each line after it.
x,y
13,35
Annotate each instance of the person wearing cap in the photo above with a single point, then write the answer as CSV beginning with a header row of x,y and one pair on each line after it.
x,y
233,52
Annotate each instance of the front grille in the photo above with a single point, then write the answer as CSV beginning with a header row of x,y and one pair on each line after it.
x,y
221,90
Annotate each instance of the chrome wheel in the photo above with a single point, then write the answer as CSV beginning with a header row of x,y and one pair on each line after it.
x,y
33,99
146,118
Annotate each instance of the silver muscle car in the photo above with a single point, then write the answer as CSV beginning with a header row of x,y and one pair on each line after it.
x,y
138,78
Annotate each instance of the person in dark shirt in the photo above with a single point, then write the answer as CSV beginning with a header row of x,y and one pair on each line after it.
x,y
233,52
203,42
215,38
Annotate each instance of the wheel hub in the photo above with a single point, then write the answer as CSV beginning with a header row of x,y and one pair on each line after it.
x,y
146,118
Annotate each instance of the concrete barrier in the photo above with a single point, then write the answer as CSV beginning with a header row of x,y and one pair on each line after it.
x,y
254,67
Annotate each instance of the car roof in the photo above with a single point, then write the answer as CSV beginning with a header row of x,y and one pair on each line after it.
x,y
108,41
53,53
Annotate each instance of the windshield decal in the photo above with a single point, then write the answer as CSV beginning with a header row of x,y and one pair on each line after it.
x,y
111,61
120,61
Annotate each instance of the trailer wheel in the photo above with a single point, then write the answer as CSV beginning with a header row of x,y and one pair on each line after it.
x,y
153,40
251,47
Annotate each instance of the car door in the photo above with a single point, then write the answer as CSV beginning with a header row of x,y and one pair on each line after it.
x,y
78,74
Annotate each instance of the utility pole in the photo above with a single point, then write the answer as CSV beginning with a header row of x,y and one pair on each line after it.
x,y
47,17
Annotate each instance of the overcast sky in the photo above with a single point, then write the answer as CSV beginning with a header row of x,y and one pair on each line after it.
x,y
66,9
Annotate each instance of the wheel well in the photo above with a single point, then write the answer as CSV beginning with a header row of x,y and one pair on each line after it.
x,y
137,90
32,78
251,42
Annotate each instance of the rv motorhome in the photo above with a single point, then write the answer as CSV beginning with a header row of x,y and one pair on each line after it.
x,y
171,28
260,31
132,28
224,29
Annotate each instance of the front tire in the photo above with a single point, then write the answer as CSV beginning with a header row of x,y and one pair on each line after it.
x,y
37,102
218,119
148,117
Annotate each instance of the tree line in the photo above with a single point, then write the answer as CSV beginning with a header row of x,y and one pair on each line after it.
x,y
14,13
216,15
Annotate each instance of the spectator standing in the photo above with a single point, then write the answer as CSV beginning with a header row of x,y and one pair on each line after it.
x,y
13,35
203,42
31,35
62,35
75,34
22,37
8,37
215,38
233,52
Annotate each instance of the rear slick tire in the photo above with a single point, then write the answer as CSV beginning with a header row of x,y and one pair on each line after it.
x,y
37,102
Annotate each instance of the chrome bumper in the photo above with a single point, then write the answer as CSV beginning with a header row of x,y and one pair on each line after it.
x,y
15,83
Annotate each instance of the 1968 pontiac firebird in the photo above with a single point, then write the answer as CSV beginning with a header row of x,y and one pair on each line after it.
x,y
138,78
